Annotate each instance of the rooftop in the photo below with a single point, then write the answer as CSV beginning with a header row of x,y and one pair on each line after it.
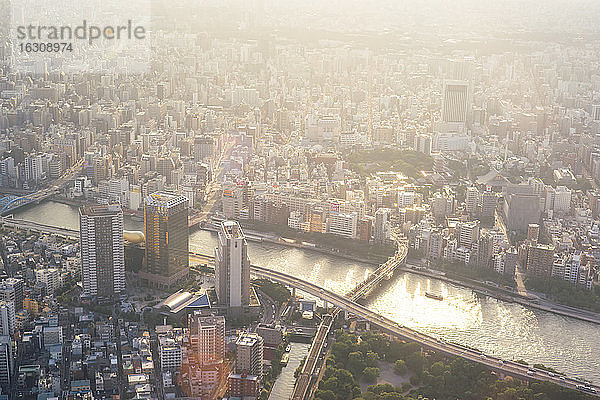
x,y
100,210
248,339
232,230
165,199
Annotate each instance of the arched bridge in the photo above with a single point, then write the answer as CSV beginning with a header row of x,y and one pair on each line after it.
x,y
9,204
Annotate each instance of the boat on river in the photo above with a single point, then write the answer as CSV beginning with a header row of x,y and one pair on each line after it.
x,y
434,296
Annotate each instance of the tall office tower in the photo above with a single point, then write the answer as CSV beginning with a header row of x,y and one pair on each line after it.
x,y
467,233
207,337
102,252
521,210
455,104
204,147
232,266
382,229
6,363
7,318
489,201
202,369
167,239
249,356
533,232
472,200
11,289
540,258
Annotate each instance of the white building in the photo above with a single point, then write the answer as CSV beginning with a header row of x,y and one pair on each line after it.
x,y
467,233
406,198
382,228
170,354
343,224
232,266
472,200
323,128
7,318
558,199
33,167
50,278
249,355
297,220
115,190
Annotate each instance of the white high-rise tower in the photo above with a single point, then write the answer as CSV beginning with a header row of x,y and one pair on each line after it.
x,y
232,266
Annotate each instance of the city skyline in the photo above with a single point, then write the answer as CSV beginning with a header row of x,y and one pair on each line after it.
x,y
284,200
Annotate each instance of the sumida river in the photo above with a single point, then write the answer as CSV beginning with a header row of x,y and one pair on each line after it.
x,y
496,327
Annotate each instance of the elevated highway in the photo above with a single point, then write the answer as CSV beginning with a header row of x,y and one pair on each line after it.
x,y
38,227
348,303
307,380
392,328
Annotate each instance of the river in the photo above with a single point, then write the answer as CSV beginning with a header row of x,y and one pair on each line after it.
x,y
496,327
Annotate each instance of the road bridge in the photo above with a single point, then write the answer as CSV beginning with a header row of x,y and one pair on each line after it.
x,y
307,380
397,330
348,303
10,203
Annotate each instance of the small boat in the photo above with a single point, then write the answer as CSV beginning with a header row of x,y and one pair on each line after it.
x,y
288,348
434,296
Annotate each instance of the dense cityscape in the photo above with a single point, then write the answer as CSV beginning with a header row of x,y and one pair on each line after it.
x,y
307,200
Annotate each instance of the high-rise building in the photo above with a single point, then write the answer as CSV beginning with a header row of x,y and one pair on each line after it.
x,y
533,232
441,206
170,353
343,224
204,147
202,365
595,114
207,337
558,199
365,229
467,233
167,239
520,210
102,252
7,318
511,258
6,363
11,289
540,259
382,228
49,278
232,266
423,143
489,202
455,102
249,355
243,386
472,200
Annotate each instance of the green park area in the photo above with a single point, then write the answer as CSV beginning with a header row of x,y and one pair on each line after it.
x,y
357,360
408,162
